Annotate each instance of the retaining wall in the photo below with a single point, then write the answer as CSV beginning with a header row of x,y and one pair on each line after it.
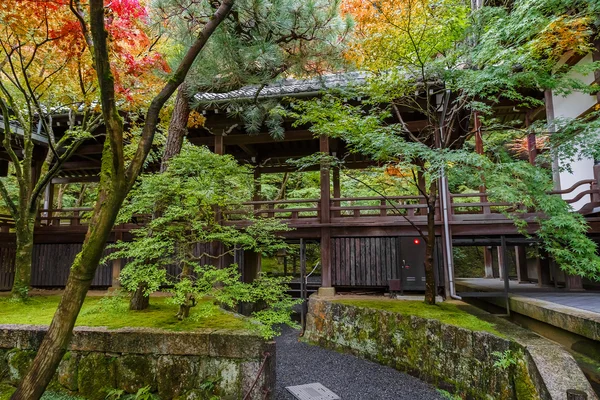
x,y
453,358
175,365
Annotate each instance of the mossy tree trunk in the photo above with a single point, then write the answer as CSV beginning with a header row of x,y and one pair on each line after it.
x,y
115,183
24,256
430,289
139,300
190,301
177,130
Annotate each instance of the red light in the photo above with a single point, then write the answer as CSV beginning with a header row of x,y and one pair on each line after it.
x,y
416,241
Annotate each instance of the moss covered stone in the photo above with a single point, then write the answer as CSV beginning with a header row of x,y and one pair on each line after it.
x,y
449,355
18,362
177,375
67,371
96,375
134,372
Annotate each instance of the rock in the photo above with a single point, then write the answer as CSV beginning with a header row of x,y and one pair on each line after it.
x,y
96,376
134,372
67,371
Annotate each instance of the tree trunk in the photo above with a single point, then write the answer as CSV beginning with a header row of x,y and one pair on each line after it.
x,y
23,259
190,300
82,273
177,127
115,183
430,290
61,194
139,301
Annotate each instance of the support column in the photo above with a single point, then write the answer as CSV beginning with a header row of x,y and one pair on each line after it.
x,y
501,260
117,265
574,283
48,202
543,269
325,220
550,119
257,188
531,141
479,150
488,262
337,190
521,257
219,145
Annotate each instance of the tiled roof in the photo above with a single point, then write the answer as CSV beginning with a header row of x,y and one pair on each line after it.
x,y
286,87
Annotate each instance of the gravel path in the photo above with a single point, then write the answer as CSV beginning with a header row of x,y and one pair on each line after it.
x,y
349,377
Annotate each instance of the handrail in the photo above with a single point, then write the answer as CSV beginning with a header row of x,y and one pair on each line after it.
x,y
377,198
294,201
575,186
580,195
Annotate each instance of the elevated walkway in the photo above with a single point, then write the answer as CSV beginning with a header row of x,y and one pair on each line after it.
x,y
576,312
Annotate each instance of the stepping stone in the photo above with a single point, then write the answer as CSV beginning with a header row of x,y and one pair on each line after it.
x,y
312,391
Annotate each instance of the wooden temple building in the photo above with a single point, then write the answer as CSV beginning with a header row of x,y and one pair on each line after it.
x,y
362,246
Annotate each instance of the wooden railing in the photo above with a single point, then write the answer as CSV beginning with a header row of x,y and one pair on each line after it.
x,y
463,206
64,216
357,207
283,209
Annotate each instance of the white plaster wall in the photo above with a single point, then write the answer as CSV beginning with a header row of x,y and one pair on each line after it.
x,y
572,106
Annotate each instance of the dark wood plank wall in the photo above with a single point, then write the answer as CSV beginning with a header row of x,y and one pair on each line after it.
x,y
368,262
51,264
7,265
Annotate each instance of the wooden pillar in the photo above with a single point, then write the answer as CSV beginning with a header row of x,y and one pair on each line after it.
x,y
49,202
117,265
501,260
574,282
337,190
251,266
325,216
543,269
488,262
531,140
219,145
551,129
521,257
479,150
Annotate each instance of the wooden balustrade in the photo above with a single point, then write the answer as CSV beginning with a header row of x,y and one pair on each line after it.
x,y
463,206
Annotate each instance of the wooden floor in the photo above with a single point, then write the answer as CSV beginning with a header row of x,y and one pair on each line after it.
x,y
587,300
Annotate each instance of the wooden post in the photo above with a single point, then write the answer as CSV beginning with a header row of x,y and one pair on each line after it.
x,y
479,150
551,129
487,261
543,269
325,216
521,257
501,260
337,190
219,145
117,265
504,268
48,202
574,283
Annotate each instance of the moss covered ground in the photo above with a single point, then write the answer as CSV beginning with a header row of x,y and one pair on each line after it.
x,y
447,313
113,313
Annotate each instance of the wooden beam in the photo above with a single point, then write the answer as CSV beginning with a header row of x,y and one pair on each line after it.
x,y
73,165
219,145
233,140
89,149
248,149
79,179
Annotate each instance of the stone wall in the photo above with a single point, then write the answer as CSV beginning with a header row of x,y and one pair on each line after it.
x,y
175,365
452,358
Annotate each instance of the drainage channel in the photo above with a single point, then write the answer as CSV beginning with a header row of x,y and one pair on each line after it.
x,y
586,352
